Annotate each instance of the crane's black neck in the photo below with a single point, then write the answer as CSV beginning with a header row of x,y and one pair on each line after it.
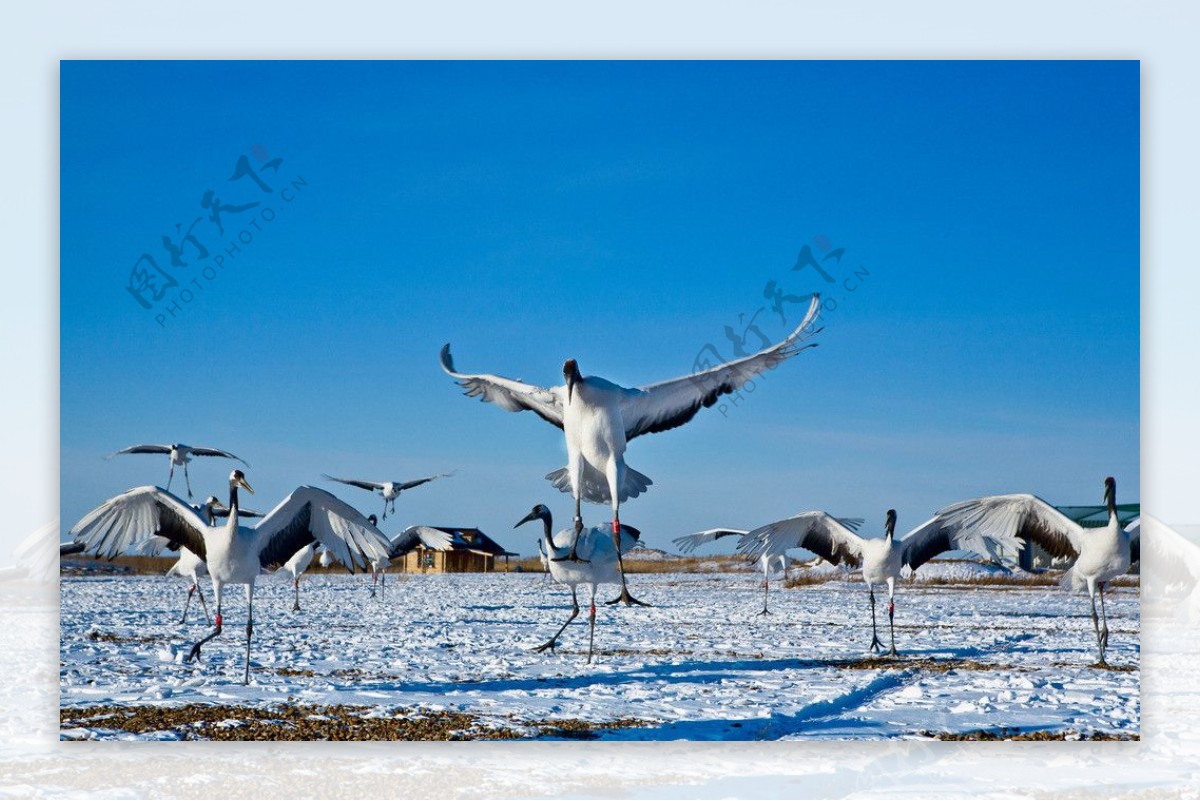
x,y
548,531
233,504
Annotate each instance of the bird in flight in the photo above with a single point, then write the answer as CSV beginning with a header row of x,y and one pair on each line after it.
x,y
599,418
180,456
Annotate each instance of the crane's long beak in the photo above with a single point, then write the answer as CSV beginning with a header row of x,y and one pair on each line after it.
x,y
526,519
242,481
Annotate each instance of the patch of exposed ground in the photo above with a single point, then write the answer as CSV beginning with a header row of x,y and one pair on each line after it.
x,y
989,735
334,722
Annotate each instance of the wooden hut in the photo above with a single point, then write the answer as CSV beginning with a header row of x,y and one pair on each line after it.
x,y
469,551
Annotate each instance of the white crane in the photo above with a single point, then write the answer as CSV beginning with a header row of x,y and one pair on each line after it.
x,y
403,544
1101,554
379,565
766,559
191,567
599,418
180,456
295,567
390,490
325,559
188,565
880,559
235,554
598,563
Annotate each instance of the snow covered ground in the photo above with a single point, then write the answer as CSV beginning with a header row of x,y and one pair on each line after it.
x,y
697,665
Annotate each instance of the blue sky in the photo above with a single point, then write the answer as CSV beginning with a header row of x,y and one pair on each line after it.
x,y
621,213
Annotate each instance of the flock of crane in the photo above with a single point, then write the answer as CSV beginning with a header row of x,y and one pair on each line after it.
x,y
598,418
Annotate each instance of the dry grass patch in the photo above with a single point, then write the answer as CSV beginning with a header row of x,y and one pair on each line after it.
x,y
629,652
811,579
286,722
930,665
79,565
302,673
575,729
121,639
1014,734
1097,666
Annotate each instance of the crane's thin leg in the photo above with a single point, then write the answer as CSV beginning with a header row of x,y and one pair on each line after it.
x,y
1096,625
382,583
187,479
624,597
384,516
170,476
249,627
296,583
186,604
592,625
550,643
572,556
374,578
194,654
1103,621
203,605
766,589
892,612
575,477
875,643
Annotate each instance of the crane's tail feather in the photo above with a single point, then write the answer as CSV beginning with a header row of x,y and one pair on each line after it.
x,y
595,484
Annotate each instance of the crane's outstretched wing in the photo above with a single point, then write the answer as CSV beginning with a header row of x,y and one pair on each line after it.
x,y
828,537
216,452
367,485
1134,530
508,394
407,485
123,524
996,521
432,538
141,449
668,404
691,542
310,514
935,536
